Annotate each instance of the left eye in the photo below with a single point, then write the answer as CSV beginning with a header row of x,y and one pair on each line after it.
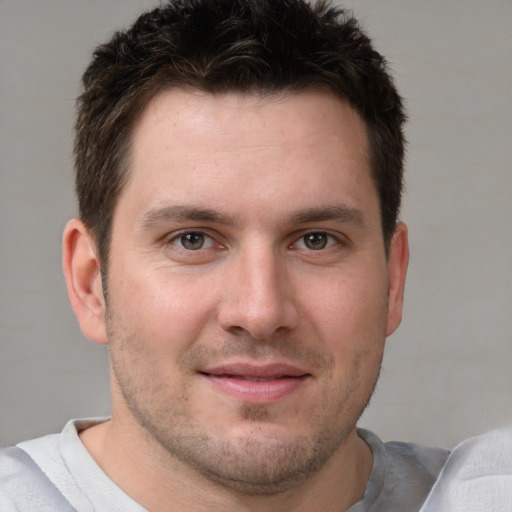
x,y
316,241
193,241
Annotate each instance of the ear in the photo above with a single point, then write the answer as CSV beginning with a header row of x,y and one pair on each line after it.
x,y
397,268
83,280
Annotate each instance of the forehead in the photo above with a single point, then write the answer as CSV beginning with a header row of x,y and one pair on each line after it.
x,y
194,113
210,147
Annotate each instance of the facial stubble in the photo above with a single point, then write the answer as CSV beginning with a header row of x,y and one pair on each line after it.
x,y
266,460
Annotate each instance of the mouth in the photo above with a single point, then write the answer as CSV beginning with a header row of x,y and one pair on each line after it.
x,y
256,384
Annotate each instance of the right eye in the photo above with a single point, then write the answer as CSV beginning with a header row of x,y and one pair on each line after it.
x,y
193,241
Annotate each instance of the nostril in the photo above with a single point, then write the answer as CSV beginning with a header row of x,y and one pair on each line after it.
x,y
236,330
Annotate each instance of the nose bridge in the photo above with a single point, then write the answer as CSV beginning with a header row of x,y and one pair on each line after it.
x,y
258,298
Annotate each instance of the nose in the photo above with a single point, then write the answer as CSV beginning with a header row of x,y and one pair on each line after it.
x,y
258,297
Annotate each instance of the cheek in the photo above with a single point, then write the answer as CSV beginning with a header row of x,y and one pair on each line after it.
x,y
161,308
349,311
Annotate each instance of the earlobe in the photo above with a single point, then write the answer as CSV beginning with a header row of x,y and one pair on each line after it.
x,y
83,280
398,261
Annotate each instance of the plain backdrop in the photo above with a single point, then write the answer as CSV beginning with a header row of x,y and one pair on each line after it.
x,y
446,373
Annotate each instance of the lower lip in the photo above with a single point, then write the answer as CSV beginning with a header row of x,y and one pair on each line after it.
x,y
257,392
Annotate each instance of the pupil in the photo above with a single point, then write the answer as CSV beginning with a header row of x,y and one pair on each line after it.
x,y
192,241
315,240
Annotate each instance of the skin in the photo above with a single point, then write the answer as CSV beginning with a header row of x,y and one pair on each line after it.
x,y
249,299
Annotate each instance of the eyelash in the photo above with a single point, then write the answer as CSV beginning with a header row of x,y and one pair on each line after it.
x,y
331,240
182,234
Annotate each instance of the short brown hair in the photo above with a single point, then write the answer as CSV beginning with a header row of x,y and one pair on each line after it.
x,y
260,46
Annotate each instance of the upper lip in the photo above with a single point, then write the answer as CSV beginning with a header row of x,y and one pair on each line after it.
x,y
244,370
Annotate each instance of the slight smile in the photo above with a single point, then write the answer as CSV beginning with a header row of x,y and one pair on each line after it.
x,y
257,384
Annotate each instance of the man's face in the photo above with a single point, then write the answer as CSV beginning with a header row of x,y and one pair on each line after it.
x,y
248,284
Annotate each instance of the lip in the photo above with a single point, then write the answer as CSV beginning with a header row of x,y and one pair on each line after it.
x,y
256,384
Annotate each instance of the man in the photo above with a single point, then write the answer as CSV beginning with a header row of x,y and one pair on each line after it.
x,y
239,174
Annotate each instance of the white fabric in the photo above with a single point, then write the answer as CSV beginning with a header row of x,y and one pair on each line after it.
x,y
477,477
70,467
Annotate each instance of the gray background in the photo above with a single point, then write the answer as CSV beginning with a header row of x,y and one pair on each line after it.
x,y
446,372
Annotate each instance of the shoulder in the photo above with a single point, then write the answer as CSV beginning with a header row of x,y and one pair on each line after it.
x,y
24,486
36,475
402,475
402,456
16,462
477,476
426,459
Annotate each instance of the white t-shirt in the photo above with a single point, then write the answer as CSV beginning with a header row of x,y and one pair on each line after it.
x,y
477,476
56,473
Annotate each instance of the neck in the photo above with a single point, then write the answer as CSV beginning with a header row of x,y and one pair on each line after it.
x,y
155,479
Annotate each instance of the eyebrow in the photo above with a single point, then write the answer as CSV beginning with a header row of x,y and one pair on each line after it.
x,y
339,212
177,213
159,216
